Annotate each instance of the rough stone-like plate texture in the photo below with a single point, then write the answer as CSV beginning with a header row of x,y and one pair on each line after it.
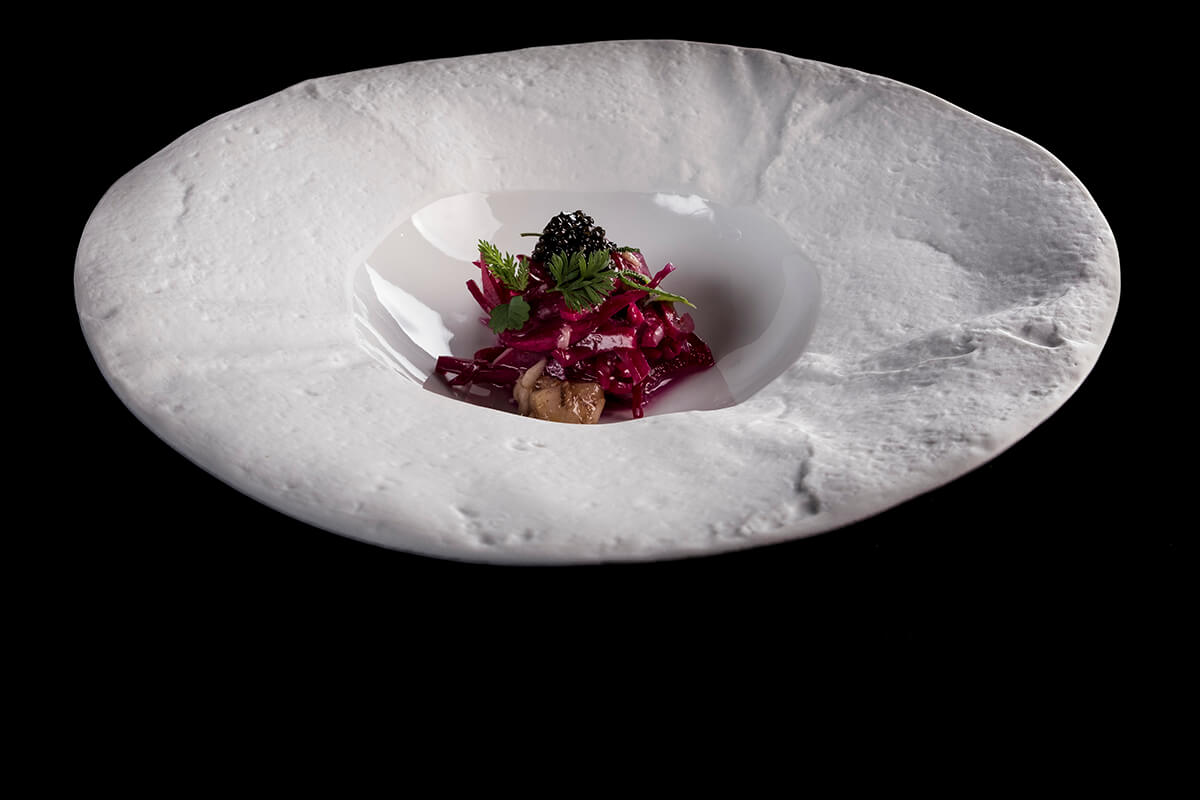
x,y
969,283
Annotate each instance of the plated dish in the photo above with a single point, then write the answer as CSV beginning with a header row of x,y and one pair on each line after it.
x,y
756,296
966,284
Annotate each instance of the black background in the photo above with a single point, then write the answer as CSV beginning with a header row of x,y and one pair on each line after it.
x,y
1047,545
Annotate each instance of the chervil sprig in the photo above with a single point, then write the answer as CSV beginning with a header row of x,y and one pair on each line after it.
x,y
509,270
583,279
510,316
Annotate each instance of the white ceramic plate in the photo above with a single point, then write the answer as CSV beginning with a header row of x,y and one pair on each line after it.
x,y
249,294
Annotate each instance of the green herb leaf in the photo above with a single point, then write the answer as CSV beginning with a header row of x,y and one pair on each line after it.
x,y
510,316
510,271
639,281
583,279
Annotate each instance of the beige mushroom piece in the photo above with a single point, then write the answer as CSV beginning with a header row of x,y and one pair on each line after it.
x,y
545,397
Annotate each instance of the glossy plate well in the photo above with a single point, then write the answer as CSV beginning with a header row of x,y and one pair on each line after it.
x,y
756,295
896,291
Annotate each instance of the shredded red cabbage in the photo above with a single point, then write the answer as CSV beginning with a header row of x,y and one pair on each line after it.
x,y
631,344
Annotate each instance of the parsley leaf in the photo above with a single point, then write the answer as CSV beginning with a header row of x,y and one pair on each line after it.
x,y
510,316
510,271
639,281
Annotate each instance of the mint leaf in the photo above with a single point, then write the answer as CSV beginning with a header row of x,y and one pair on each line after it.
x,y
510,316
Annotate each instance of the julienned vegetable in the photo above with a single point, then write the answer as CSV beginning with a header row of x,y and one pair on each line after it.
x,y
579,311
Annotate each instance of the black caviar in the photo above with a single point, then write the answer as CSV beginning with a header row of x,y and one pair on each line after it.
x,y
570,233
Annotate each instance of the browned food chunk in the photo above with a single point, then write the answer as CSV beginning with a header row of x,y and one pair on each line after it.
x,y
548,398
566,401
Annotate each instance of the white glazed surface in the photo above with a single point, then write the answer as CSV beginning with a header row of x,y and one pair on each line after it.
x,y
968,284
758,296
